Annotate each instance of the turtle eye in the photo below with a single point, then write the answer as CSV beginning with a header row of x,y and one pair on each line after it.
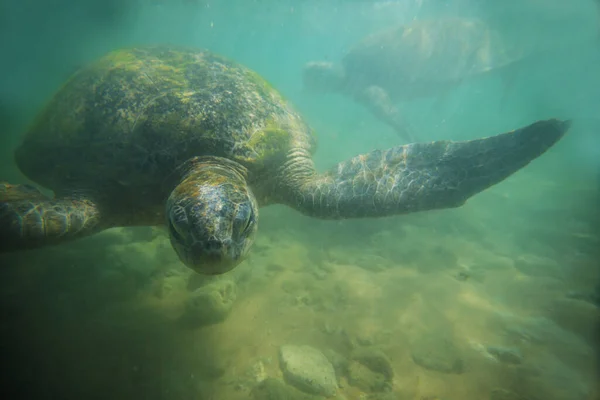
x,y
249,223
176,235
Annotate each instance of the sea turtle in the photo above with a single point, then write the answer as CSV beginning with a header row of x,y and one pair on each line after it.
x,y
420,59
189,139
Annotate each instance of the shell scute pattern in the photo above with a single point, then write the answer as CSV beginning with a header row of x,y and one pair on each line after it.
x,y
136,114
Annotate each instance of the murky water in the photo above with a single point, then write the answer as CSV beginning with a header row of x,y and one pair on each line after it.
x,y
497,299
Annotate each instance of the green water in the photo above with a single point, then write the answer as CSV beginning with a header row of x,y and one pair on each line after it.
x,y
497,299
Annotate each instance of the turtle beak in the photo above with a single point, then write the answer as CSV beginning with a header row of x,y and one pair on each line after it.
x,y
211,258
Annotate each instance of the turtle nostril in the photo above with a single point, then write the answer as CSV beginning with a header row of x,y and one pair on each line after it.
x,y
213,245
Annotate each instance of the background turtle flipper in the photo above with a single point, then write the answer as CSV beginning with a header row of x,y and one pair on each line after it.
x,y
422,176
29,219
378,101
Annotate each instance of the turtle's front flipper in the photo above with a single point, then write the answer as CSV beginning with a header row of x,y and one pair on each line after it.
x,y
29,219
417,177
377,100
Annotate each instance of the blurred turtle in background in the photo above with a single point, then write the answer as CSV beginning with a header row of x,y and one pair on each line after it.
x,y
423,58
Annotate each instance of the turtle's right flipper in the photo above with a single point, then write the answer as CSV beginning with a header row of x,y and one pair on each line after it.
x,y
377,100
29,219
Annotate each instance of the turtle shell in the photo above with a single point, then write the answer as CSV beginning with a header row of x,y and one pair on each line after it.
x,y
427,55
129,119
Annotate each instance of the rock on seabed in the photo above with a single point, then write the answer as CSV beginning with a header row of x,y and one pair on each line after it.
x,y
308,369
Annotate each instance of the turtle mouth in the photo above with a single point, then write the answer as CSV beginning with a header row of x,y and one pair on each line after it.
x,y
205,256
209,258
214,264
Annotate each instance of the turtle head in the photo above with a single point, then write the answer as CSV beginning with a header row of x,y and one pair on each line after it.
x,y
212,215
322,76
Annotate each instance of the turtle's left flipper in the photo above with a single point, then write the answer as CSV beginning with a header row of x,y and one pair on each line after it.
x,y
29,219
423,176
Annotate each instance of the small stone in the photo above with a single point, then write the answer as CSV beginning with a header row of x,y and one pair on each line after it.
x,y
339,362
308,369
257,372
363,378
437,354
376,361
